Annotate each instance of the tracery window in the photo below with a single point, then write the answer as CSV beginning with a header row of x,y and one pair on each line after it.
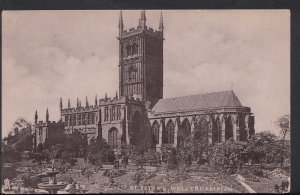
x,y
113,137
66,120
132,73
73,120
113,113
128,50
118,112
79,119
170,132
134,49
106,114
93,118
155,129
83,119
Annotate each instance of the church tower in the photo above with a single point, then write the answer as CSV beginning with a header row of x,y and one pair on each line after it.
x,y
141,60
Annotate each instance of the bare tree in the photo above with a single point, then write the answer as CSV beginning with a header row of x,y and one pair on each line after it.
x,y
284,124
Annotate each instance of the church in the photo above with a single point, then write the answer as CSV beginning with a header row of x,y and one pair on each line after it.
x,y
139,115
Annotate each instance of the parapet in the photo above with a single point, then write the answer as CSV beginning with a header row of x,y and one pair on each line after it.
x,y
133,31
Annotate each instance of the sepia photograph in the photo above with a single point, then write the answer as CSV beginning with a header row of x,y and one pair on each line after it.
x,y
146,101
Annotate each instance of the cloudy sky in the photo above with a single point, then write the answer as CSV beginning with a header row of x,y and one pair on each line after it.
x,y
70,54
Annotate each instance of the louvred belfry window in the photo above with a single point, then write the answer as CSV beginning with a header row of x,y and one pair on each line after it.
x,y
134,49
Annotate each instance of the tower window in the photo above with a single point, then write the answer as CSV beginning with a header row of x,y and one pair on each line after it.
x,y
132,73
131,50
134,49
128,50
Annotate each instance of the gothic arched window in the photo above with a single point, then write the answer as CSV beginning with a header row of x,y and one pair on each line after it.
x,y
132,73
128,50
113,137
118,112
170,132
155,129
106,114
134,49
79,119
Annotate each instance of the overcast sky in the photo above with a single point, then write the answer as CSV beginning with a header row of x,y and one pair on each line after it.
x,y
70,54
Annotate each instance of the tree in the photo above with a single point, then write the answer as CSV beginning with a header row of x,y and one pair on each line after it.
x,y
100,152
18,140
262,147
227,154
284,125
75,143
198,141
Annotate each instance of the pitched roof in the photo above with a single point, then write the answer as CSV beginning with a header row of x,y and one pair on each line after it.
x,y
197,102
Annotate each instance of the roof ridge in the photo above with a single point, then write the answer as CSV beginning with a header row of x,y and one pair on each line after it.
x,y
197,94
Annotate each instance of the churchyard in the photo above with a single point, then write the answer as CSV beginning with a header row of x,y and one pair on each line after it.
x,y
139,179
262,164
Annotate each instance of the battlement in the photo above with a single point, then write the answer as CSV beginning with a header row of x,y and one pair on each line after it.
x,y
45,123
135,98
80,109
133,31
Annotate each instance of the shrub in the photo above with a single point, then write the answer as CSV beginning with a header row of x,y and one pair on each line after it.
x,y
172,161
249,176
100,151
113,173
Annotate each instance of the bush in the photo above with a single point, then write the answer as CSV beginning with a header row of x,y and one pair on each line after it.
x,y
29,180
258,172
249,176
100,152
172,161
113,173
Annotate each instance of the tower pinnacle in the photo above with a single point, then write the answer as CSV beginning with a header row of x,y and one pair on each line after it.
x,y
142,22
60,104
121,25
161,23
47,115
36,116
86,102
69,104
96,100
